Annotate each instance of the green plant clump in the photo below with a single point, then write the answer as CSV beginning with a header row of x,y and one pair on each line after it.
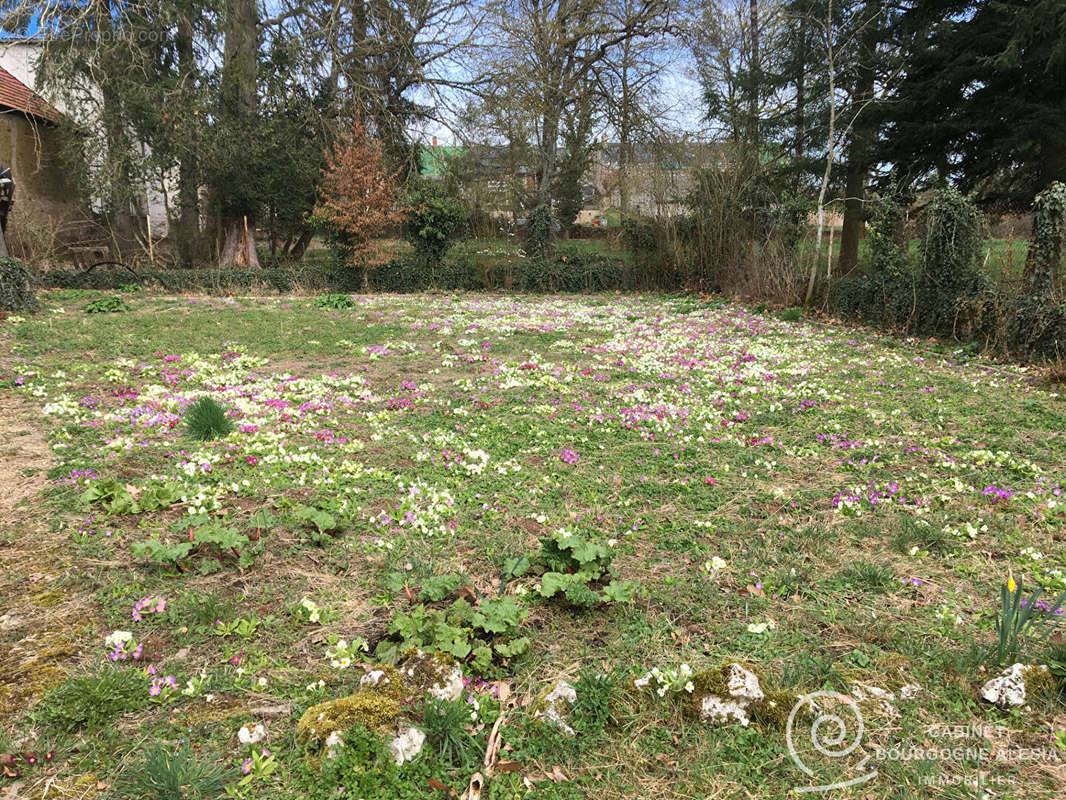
x,y
1018,620
1039,324
337,302
580,571
106,305
166,774
206,420
445,725
475,633
434,218
91,701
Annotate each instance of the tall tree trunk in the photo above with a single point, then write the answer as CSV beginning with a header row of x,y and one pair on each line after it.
x,y
799,145
624,138
300,246
240,100
830,156
549,139
754,76
859,150
854,216
188,168
119,180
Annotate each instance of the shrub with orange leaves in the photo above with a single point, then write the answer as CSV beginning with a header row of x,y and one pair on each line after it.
x,y
357,198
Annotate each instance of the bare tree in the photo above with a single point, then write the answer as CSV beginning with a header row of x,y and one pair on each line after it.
x,y
543,53
627,82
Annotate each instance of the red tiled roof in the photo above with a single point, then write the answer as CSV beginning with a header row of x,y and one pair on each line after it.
x,y
14,94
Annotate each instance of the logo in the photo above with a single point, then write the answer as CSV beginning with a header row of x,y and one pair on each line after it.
x,y
829,737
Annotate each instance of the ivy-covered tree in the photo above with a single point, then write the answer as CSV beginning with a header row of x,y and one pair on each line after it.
x,y
1040,317
433,219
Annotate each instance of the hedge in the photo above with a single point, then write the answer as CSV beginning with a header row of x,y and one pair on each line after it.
x,y
578,273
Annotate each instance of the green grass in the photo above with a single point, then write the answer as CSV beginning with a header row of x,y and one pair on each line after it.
x,y
829,507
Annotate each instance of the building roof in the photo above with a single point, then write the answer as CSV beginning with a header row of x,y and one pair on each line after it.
x,y
433,161
17,96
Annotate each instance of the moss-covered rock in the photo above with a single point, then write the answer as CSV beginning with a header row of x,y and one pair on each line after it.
x,y
554,706
422,670
879,687
386,680
734,692
736,682
371,709
775,707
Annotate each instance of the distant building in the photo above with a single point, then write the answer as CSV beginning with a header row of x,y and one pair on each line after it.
x,y
19,58
502,179
32,144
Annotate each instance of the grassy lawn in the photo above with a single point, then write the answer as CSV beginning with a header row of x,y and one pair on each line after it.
x,y
542,489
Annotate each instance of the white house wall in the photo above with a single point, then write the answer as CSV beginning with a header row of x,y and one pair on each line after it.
x,y
20,59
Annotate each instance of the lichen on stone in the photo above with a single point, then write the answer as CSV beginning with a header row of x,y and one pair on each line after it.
x,y
1017,684
554,706
407,745
715,681
737,692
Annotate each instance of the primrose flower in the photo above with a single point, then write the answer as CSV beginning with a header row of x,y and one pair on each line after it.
x,y
153,604
314,613
714,566
118,638
246,767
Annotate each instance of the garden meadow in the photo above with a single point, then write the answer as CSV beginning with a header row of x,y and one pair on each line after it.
x,y
508,546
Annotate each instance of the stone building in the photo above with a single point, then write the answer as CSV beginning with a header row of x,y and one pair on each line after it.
x,y
32,145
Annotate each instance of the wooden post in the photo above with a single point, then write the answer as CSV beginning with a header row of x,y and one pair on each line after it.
x,y
151,251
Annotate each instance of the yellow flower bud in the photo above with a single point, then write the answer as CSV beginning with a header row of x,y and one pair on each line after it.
x,y
1011,585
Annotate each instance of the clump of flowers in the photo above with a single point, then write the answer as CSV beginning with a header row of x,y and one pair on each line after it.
x,y
153,604
714,567
761,627
667,680
261,764
122,646
342,655
948,616
968,530
195,686
313,612
568,456
997,494
161,688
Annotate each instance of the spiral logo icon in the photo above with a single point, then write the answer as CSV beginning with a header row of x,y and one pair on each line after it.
x,y
835,731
